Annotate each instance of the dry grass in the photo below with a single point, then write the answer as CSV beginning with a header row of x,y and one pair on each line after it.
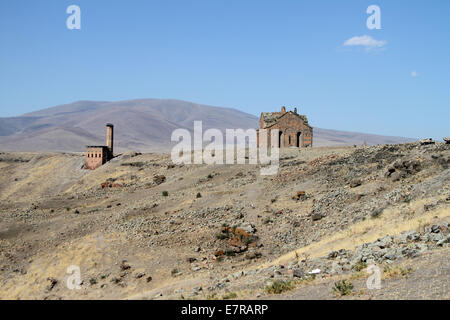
x,y
279,286
343,288
369,230
395,272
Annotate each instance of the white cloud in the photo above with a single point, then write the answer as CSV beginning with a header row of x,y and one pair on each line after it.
x,y
414,74
365,41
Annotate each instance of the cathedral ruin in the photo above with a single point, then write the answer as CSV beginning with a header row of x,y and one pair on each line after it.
x,y
294,130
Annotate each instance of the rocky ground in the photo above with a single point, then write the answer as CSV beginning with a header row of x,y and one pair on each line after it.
x,y
141,227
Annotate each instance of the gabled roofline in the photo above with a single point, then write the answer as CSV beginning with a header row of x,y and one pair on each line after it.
x,y
287,112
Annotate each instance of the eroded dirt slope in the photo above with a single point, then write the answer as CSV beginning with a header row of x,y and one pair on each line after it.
x,y
142,227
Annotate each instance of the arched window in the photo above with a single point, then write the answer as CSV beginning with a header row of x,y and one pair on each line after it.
x,y
299,136
280,140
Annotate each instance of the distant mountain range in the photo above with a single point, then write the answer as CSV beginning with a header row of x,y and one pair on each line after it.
x,y
141,125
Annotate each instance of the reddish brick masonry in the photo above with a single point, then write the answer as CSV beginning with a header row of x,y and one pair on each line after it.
x,y
294,130
97,156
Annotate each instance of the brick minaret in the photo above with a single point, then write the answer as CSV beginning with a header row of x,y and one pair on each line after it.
x,y
110,138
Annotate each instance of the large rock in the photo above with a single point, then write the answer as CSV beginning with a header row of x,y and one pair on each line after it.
x,y
426,141
355,183
298,273
247,227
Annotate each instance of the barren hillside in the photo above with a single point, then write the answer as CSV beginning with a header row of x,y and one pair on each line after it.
x,y
141,227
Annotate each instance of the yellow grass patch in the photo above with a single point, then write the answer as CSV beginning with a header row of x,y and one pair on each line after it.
x,y
390,222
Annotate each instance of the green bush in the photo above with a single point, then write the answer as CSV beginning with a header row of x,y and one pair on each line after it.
x,y
229,296
229,253
343,288
222,236
279,286
359,266
376,213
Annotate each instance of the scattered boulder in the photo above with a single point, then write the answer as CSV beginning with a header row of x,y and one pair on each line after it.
x,y
253,255
130,154
355,183
300,196
219,253
240,237
124,265
159,179
138,164
447,140
316,216
109,184
401,168
197,290
426,141
247,227
298,273
441,242
52,284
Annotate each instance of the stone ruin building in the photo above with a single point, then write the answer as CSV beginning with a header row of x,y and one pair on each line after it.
x,y
97,156
294,130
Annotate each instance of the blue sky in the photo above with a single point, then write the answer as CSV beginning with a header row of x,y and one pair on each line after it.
x,y
251,55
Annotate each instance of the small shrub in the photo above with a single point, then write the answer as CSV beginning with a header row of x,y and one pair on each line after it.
x,y
229,253
393,272
77,212
116,280
92,281
359,266
165,193
357,275
222,236
343,288
309,278
174,272
212,296
247,240
406,199
279,286
229,296
376,213
67,209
